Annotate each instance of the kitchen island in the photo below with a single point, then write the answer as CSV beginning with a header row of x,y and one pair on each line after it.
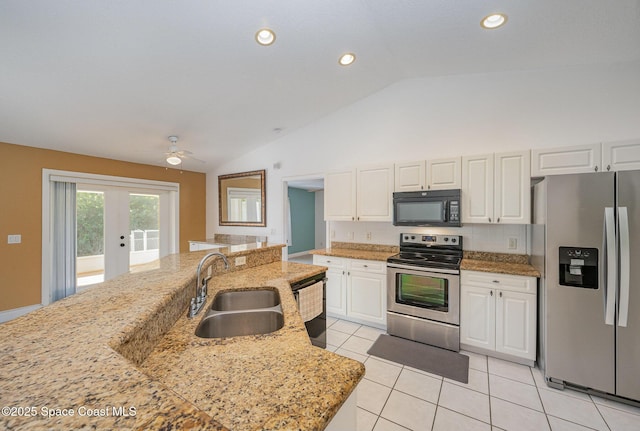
x,y
123,355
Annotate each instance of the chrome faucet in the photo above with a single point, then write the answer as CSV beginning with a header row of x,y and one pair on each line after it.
x,y
201,291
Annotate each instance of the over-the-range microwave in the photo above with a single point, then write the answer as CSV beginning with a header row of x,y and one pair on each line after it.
x,y
427,208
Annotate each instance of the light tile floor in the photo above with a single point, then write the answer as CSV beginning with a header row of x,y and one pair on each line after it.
x,y
500,395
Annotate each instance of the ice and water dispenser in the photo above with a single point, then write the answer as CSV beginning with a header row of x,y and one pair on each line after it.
x,y
579,267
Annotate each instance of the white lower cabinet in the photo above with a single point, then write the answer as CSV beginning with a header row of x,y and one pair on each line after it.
x,y
356,289
498,315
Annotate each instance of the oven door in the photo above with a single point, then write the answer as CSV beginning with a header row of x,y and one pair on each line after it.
x,y
423,292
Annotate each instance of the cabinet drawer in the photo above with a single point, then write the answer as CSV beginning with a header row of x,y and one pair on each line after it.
x,y
368,266
329,261
514,283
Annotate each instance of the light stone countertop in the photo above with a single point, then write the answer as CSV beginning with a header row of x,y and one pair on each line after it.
x,y
127,343
358,251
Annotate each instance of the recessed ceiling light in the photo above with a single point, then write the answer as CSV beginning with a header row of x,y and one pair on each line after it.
x,y
347,59
494,20
265,36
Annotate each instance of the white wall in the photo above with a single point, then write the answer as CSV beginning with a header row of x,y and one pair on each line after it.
x,y
321,226
441,117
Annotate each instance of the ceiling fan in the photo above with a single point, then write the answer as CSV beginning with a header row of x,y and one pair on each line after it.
x,y
175,155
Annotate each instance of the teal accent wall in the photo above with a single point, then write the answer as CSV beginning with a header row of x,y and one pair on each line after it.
x,y
303,220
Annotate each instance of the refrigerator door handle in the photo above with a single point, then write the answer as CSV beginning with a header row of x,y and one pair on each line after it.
x,y
623,223
610,266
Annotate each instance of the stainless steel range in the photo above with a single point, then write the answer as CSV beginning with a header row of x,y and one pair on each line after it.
x,y
423,290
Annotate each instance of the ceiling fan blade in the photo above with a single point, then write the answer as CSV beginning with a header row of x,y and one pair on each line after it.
x,y
187,156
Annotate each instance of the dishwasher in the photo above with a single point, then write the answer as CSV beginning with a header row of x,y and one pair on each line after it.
x,y
316,327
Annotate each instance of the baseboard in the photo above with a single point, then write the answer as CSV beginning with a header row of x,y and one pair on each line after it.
x,y
498,355
14,313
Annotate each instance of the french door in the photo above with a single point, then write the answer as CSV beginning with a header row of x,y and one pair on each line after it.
x,y
118,230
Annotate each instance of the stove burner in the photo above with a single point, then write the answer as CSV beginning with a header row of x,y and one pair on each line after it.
x,y
430,251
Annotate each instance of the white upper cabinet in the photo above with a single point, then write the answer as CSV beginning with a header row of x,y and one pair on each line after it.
x,y
444,174
512,188
375,193
477,189
410,176
363,194
439,174
340,195
565,160
621,156
496,188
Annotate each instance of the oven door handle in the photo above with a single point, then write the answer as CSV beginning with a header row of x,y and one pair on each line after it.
x,y
424,269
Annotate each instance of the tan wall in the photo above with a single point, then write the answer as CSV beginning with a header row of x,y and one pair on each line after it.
x,y
21,210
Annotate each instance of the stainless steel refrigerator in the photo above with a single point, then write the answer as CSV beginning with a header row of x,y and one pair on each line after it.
x,y
586,242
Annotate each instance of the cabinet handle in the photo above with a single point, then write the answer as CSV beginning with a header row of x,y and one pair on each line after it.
x,y
366,266
500,294
496,281
491,292
489,219
608,167
596,168
429,187
498,219
352,218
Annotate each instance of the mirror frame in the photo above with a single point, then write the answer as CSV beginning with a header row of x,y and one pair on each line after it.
x,y
263,203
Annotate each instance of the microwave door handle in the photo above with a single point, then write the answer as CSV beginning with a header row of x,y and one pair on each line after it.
x,y
610,266
444,211
623,224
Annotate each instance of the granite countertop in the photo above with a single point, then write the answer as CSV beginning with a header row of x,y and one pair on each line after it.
x,y
500,263
126,346
358,251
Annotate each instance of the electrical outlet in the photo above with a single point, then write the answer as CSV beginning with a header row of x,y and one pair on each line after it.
x,y
513,243
368,236
14,239
242,260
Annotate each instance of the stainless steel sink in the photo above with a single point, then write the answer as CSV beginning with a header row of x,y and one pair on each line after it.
x,y
234,324
242,312
245,299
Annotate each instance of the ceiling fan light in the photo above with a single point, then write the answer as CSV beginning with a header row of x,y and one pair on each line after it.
x,y
174,160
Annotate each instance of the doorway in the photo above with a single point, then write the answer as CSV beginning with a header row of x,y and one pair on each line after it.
x,y
115,225
305,228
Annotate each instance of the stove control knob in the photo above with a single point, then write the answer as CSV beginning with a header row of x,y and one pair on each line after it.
x,y
446,238
454,240
406,237
413,237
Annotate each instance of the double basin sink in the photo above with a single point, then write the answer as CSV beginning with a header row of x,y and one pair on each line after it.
x,y
242,312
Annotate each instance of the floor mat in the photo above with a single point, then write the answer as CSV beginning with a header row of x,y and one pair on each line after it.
x,y
427,358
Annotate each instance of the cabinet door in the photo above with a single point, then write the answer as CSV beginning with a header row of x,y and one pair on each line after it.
x,y
512,188
336,292
409,176
477,317
375,193
340,195
516,324
367,297
621,156
477,189
443,174
565,160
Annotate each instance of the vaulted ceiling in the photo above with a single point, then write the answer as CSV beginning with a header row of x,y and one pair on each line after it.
x,y
115,78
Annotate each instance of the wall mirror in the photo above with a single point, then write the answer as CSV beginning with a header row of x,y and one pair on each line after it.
x,y
242,199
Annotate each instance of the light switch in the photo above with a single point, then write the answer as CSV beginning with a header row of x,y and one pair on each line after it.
x,y
14,239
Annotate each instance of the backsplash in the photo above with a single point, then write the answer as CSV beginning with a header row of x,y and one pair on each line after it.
x,y
494,238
